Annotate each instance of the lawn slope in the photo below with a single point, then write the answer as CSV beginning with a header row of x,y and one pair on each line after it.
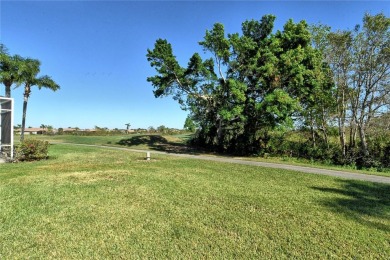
x,y
96,203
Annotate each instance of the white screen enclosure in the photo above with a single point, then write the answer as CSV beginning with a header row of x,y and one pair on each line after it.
x,y
6,128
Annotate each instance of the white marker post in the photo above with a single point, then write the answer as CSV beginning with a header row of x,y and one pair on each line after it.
x,y
148,156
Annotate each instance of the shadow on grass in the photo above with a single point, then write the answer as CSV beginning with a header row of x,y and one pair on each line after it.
x,y
366,203
158,143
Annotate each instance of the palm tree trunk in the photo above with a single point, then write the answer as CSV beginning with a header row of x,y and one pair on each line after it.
x,y
25,101
7,90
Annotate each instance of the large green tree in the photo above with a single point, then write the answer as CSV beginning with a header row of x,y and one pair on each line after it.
x,y
252,82
30,69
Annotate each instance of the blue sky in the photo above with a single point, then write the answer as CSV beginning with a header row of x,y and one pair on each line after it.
x,y
96,51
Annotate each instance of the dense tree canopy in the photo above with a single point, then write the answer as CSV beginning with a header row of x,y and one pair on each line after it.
x,y
252,83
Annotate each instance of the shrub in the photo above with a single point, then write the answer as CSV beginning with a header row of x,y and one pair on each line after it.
x,y
380,150
32,150
386,156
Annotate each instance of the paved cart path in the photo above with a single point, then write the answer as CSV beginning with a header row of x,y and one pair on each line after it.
x,y
334,173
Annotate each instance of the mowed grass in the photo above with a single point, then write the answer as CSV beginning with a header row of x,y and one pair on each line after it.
x,y
87,202
80,139
179,142
104,139
116,140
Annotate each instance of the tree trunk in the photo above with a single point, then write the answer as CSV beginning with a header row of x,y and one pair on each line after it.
x,y
220,142
326,139
363,140
312,131
341,117
342,137
25,101
352,135
7,90
313,136
324,128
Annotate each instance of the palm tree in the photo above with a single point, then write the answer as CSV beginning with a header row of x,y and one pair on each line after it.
x,y
29,75
9,69
3,48
127,127
43,126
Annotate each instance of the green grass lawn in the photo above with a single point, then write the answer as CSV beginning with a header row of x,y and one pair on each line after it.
x,y
136,141
176,143
86,202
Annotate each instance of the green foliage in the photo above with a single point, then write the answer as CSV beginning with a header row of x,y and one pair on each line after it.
x,y
379,156
189,125
359,62
10,69
32,150
215,42
162,129
385,159
298,144
252,84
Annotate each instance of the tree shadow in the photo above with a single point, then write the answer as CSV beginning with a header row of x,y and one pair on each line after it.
x,y
366,203
158,143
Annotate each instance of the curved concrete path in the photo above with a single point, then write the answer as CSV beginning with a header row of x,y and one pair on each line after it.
x,y
334,173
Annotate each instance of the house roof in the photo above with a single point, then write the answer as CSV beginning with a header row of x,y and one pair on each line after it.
x,y
69,129
33,129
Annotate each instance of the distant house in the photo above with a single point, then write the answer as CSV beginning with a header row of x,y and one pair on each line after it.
x,y
90,130
31,131
69,130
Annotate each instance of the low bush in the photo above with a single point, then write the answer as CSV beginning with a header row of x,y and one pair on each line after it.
x,y
32,150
